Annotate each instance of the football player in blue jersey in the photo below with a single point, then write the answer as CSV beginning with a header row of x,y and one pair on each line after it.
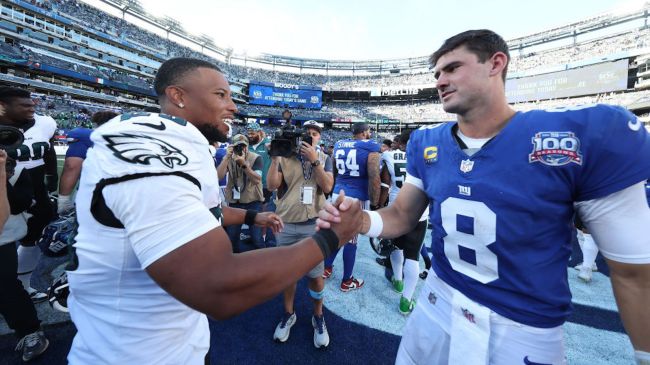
x,y
503,187
357,164
79,142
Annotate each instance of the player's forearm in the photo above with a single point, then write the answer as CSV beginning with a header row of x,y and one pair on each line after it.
x,y
631,284
274,270
402,215
374,180
374,189
232,216
324,179
69,178
395,223
383,196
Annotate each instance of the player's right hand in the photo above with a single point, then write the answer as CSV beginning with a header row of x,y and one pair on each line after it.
x,y
349,216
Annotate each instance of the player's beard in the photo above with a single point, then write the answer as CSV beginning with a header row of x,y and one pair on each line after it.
x,y
254,140
212,133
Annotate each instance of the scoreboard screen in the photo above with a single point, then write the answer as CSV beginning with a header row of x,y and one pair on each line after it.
x,y
285,95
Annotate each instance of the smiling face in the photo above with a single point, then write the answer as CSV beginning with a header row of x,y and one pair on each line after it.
x,y
17,111
207,99
463,81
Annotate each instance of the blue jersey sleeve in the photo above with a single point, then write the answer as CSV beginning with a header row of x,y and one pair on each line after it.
x,y
218,157
617,152
79,142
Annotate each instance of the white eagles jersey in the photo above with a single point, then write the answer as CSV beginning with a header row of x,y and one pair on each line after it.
x,y
395,162
37,142
147,187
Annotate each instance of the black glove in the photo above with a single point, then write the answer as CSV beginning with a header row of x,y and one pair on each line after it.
x,y
52,183
375,207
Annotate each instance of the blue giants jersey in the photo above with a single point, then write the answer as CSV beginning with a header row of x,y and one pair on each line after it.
x,y
351,158
502,218
79,142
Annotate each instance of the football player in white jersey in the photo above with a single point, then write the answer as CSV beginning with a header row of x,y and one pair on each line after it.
x,y
404,259
37,156
502,186
15,299
153,257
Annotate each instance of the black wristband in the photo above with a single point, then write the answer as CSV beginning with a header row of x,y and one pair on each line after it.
x,y
327,241
249,220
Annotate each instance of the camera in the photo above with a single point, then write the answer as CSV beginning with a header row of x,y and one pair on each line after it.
x,y
10,137
239,149
287,141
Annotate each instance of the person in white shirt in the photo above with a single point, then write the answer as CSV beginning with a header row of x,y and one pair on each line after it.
x,y
153,257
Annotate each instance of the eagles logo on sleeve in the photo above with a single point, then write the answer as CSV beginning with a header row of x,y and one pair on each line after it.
x,y
141,149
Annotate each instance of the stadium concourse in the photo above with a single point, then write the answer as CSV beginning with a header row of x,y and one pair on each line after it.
x,y
364,325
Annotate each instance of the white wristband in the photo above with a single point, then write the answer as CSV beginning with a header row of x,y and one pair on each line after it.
x,y
642,357
64,204
376,224
384,185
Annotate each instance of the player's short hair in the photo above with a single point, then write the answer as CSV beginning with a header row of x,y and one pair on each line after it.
x,y
8,92
102,117
482,42
387,142
359,127
173,70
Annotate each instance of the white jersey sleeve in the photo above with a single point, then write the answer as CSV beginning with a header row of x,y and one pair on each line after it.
x,y
619,224
172,216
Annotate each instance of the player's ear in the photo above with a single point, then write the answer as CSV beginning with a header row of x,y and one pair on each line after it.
x,y
499,61
175,95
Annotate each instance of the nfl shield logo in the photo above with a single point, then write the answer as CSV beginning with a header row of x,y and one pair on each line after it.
x,y
466,166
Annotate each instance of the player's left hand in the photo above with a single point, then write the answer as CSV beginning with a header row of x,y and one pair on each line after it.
x,y
308,151
270,220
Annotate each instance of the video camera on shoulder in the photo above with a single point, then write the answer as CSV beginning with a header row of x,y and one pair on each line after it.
x,y
287,141
10,137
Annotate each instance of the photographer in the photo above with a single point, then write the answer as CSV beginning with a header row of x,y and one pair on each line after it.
x,y
259,143
302,179
244,187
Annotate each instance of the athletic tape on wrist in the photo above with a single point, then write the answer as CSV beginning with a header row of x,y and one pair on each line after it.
x,y
327,241
642,357
376,224
250,217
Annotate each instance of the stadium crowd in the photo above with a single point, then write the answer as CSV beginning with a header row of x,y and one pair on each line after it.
x,y
250,169
160,48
